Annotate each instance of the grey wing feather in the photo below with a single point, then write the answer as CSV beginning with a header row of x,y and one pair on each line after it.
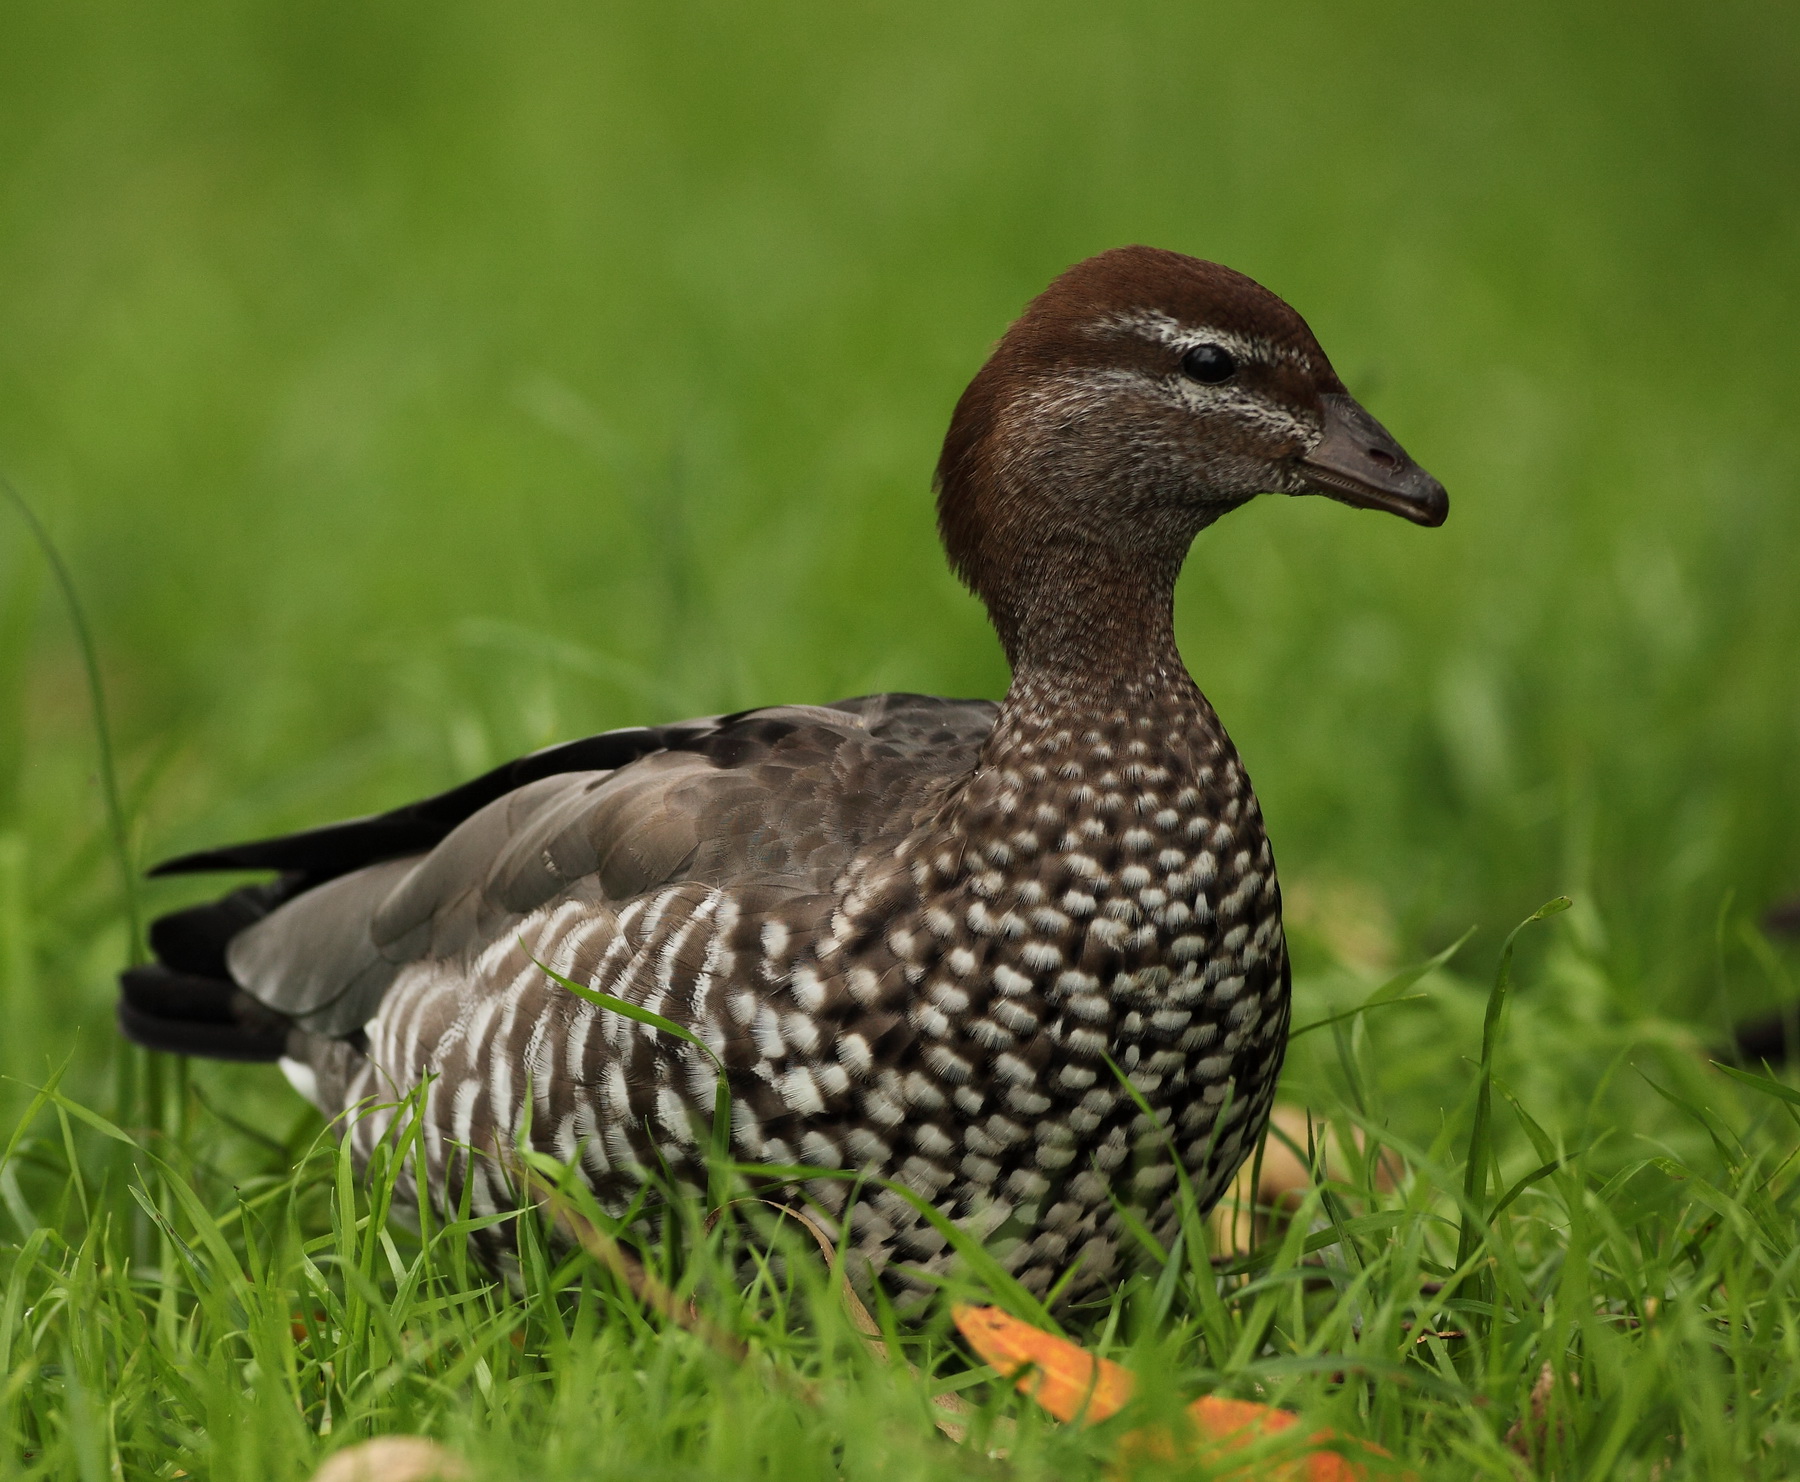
x,y
314,959
777,801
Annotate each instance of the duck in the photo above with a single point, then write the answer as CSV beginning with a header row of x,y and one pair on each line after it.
x,y
1018,964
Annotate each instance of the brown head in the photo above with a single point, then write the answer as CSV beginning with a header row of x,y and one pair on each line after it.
x,y
1139,397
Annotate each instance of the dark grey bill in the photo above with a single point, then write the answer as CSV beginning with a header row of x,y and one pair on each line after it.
x,y
1358,462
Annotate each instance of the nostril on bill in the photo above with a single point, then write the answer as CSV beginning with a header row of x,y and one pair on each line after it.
x,y
1382,456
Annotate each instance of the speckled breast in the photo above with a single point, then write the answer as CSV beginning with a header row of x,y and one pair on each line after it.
x,y
1103,891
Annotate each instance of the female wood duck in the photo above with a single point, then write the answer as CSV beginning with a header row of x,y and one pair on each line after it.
x,y
920,934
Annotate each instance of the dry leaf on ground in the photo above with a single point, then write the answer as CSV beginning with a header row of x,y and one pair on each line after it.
x,y
1064,1378
1070,1382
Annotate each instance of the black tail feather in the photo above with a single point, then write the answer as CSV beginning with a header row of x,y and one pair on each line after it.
x,y
185,1003
182,1013
322,854
194,940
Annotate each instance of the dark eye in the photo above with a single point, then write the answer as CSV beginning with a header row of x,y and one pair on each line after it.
x,y
1209,364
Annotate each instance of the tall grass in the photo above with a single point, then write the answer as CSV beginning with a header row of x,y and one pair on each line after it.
x,y
234,1306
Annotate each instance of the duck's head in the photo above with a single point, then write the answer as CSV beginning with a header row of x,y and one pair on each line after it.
x,y
1139,397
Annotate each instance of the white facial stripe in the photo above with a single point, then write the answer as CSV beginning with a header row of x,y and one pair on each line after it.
x,y
1155,325
1256,410
1071,395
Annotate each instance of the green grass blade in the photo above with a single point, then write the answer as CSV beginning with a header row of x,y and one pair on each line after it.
x,y
1766,1085
1393,991
1480,1151
117,831
632,1011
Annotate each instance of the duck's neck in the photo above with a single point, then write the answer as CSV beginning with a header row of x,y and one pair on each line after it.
x,y
1088,627
1100,699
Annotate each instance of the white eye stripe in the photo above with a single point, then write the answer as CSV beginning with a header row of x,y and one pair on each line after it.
x,y
1155,325
1250,407
1072,395
1274,420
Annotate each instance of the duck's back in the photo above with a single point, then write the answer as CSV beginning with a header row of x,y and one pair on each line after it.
x,y
360,962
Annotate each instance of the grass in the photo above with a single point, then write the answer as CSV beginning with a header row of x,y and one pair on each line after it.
x,y
229,1304
407,388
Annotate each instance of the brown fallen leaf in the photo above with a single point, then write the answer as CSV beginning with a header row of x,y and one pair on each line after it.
x,y
1070,1382
393,1459
1064,1378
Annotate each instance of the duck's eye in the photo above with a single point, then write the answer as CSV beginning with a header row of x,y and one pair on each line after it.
x,y
1208,364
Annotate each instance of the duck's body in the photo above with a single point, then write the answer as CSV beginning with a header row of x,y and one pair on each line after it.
x,y
915,931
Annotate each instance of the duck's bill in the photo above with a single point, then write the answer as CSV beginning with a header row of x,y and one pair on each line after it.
x,y
1358,462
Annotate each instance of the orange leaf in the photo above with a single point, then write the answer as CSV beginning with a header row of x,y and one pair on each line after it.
x,y
1068,1381
1064,1378
1231,1425
1221,1427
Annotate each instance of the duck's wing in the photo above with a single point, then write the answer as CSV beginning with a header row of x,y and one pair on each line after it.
x,y
770,801
315,855
186,1002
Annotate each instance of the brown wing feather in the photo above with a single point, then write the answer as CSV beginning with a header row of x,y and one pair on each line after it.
x,y
773,803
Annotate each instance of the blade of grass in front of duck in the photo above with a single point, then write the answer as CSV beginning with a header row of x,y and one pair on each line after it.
x,y
718,1173
1393,991
635,1012
718,1162
981,1262
1480,1149
1002,1285
1223,1333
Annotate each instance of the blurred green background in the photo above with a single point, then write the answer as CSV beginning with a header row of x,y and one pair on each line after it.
x,y
411,385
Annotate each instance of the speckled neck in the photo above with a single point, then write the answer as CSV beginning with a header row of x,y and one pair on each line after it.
x,y
1107,741
1092,621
